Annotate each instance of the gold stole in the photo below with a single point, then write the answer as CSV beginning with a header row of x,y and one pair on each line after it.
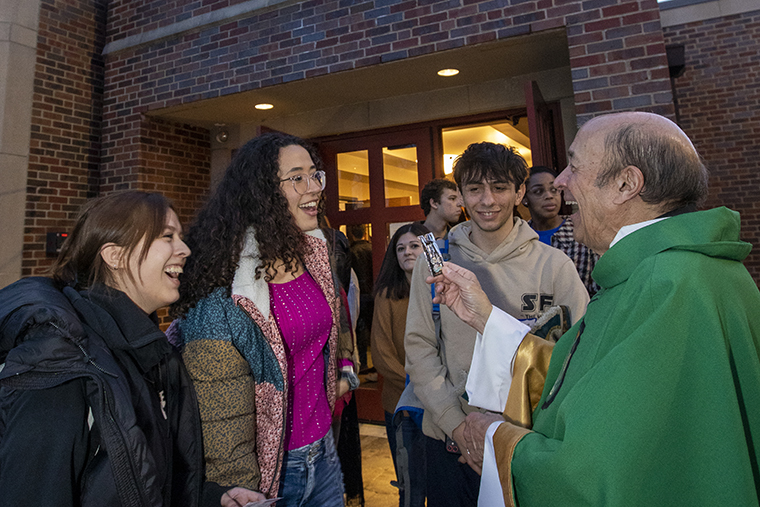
x,y
531,363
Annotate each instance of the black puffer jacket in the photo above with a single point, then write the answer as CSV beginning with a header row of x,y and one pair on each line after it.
x,y
95,407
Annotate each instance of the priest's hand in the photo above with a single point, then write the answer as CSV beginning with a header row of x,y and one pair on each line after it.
x,y
460,290
469,455
475,427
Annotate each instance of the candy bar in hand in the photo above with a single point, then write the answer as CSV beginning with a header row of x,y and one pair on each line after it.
x,y
432,253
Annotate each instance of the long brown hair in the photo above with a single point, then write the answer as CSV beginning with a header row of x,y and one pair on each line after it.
x,y
122,218
392,277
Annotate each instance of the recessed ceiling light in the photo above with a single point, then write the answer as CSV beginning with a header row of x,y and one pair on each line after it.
x,y
263,106
448,72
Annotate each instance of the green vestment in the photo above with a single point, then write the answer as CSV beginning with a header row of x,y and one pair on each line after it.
x,y
660,403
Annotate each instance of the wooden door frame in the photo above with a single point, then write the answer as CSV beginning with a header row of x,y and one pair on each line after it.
x,y
435,157
377,215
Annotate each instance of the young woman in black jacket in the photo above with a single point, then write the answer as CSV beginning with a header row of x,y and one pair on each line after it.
x,y
96,408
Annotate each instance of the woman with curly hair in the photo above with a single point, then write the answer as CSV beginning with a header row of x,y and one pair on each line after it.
x,y
387,342
259,315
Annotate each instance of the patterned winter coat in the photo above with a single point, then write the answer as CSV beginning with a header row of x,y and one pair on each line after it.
x,y
236,357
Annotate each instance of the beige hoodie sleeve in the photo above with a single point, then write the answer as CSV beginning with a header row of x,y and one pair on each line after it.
x,y
424,362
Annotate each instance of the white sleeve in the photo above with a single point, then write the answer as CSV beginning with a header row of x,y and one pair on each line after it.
x,y
490,375
491,494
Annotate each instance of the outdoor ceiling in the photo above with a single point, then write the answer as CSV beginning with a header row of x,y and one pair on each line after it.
x,y
480,63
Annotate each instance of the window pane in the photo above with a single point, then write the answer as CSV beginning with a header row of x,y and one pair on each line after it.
x,y
456,139
400,174
353,180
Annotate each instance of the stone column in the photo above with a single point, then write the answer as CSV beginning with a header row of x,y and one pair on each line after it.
x,y
18,51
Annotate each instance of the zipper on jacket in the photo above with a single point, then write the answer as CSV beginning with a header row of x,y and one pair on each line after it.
x,y
87,356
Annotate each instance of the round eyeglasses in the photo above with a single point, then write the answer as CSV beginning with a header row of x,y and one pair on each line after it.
x,y
302,182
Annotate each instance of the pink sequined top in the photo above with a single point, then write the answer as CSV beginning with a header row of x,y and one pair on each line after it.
x,y
304,318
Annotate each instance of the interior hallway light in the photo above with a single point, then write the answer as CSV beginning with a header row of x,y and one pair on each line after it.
x,y
448,72
448,164
263,106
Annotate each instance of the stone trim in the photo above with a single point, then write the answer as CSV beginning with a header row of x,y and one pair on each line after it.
x,y
192,24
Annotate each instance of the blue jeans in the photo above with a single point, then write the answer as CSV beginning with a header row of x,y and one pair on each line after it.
x,y
414,441
311,476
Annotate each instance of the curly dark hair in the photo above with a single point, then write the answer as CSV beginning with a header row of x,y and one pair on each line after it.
x,y
391,277
248,195
540,169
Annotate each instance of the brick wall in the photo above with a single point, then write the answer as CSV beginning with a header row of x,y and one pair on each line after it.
x,y
67,124
176,161
617,48
65,144
128,17
617,56
617,51
719,99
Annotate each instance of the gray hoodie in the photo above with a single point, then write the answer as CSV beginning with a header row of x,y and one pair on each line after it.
x,y
522,276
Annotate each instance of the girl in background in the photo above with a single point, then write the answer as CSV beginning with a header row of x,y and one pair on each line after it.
x,y
387,342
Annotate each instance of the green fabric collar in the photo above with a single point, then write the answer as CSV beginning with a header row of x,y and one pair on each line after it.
x,y
713,232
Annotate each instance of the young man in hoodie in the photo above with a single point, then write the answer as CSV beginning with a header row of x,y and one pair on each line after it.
x,y
518,273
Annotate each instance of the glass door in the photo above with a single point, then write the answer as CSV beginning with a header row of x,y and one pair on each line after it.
x,y
373,187
374,181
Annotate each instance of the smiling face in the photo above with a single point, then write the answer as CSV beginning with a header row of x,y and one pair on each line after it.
x,y
541,197
593,225
491,208
295,160
155,281
408,248
450,206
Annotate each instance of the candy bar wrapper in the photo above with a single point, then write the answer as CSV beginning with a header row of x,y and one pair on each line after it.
x,y
432,253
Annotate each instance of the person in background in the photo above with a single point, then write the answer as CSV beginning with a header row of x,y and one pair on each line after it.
x,y
388,324
96,407
345,415
544,201
441,202
260,317
516,270
361,262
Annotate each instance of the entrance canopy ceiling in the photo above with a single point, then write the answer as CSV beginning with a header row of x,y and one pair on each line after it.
x,y
477,64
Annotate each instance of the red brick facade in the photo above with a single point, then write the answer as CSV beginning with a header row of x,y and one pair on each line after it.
x,y
91,135
65,163
175,160
64,153
616,47
617,53
719,105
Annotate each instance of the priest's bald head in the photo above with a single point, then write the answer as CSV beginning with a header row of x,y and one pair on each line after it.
x,y
627,168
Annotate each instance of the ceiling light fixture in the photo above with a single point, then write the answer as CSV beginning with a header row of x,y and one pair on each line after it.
x,y
263,106
448,72
222,136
